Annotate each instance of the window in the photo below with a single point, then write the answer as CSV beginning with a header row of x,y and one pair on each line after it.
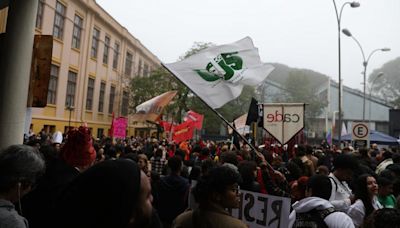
x,y
101,96
125,103
128,63
52,91
95,43
116,53
71,85
100,133
111,102
59,18
90,92
106,49
39,15
76,33
146,70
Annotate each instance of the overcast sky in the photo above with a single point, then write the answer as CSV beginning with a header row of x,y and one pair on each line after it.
x,y
297,33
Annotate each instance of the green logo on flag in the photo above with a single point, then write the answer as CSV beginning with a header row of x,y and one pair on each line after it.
x,y
223,67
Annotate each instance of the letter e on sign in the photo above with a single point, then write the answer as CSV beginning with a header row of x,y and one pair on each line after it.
x,y
360,131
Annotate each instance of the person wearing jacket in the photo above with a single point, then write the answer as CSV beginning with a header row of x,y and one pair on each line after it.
x,y
342,196
20,167
316,204
173,191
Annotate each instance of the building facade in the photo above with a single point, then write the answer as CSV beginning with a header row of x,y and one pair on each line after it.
x,y
94,57
376,109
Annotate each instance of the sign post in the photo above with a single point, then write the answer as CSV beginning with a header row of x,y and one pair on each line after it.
x,y
360,134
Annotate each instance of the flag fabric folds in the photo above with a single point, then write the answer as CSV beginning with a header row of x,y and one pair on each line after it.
x,y
252,115
217,74
240,125
196,118
183,131
151,110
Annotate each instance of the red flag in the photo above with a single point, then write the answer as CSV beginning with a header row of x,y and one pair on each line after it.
x,y
166,125
196,118
183,131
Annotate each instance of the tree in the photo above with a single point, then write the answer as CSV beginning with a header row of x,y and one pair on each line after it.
x,y
298,89
388,86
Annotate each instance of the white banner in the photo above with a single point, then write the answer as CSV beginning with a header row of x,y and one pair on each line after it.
x,y
283,121
262,210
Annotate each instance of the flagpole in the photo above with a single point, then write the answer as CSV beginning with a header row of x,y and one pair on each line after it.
x,y
221,117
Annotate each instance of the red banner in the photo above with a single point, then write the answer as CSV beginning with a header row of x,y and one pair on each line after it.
x,y
196,118
166,125
120,125
183,131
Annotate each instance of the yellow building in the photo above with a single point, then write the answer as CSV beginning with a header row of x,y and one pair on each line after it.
x,y
94,57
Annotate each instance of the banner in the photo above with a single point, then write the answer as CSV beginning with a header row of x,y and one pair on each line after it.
x,y
183,131
166,125
119,127
217,74
261,210
283,121
240,124
196,118
152,109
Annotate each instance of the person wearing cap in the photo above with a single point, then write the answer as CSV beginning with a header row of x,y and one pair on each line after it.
x,y
113,193
315,210
78,151
75,156
56,140
341,196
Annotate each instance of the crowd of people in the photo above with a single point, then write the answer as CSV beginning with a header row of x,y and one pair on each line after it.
x,y
76,181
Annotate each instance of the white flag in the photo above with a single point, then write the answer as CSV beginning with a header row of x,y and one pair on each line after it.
x,y
344,129
218,74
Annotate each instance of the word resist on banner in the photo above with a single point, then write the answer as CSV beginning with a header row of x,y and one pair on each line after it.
x,y
261,210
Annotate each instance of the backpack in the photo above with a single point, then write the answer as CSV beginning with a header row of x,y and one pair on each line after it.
x,y
313,219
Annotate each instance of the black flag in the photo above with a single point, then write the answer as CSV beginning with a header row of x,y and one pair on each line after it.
x,y
252,115
235,138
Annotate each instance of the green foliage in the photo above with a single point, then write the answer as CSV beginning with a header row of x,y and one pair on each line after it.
x,y
299,89
229,111
387,87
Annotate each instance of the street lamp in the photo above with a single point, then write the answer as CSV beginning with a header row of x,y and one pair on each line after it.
x,y
339,18
70,109
365,62
380,74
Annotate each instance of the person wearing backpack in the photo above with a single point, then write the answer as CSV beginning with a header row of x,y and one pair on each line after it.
x,y
315,210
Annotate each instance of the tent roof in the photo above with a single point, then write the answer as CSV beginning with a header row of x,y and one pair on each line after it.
x,y
376,137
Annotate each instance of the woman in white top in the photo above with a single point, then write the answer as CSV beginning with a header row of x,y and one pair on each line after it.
x,y
366,190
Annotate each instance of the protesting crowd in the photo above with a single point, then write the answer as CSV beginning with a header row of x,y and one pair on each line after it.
x,y
76,181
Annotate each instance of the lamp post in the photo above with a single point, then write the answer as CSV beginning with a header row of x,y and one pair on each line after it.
x,y
339,18
365,63
70,109
380,74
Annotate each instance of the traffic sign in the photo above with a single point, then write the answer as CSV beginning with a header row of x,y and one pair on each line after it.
x,y
360,131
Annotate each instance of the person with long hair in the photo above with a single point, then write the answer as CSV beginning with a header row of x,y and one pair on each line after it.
x,y
366,192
